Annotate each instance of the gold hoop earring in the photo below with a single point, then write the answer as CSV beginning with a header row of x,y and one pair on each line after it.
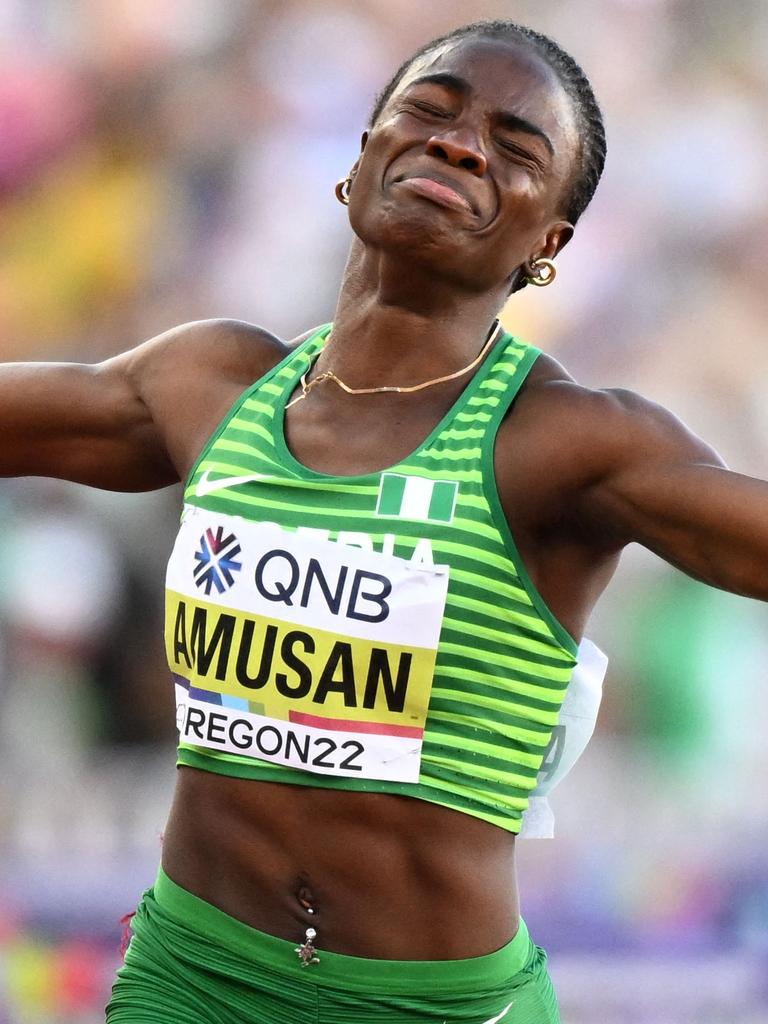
x,y
343,188
544,272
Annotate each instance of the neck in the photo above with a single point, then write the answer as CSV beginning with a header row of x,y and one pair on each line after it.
x,y
401,325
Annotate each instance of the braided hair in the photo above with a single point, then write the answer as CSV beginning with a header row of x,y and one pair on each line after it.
x,y
589,119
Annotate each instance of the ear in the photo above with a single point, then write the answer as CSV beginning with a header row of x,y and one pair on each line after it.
x,y
356,164
557,236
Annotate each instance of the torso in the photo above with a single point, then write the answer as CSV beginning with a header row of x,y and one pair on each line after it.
x,y
367,863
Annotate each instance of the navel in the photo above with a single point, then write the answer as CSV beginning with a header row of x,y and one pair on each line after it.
x,y
306,899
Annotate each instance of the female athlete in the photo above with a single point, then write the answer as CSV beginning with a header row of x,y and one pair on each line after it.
x,y
368,667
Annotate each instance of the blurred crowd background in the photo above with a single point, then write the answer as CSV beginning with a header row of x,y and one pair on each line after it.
x,y
170,160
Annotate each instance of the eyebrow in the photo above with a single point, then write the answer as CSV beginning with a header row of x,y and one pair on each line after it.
x,y
507,119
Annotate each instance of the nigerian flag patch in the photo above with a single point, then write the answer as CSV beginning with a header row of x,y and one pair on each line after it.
x,y
416,497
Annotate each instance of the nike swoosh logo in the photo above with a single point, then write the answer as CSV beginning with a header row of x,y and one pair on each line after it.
x,y
207,486
504,1012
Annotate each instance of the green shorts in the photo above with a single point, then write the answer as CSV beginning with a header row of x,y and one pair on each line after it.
x,y
189,963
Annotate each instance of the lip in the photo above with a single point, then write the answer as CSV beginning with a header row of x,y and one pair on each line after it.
x,y
438,192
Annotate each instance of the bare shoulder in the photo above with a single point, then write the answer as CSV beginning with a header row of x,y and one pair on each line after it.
x,y
224,349
190,376
564,451
602,427
550,384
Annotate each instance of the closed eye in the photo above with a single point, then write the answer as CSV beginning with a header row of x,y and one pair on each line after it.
x,y
429,108
514,150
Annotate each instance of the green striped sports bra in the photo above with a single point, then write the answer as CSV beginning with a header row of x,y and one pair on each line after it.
x,y
375,632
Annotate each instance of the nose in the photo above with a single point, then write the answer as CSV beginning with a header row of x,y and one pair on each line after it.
x,y
458,150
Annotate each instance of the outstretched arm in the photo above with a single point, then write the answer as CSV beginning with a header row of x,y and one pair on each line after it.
x,y
78,422
663,487
134,422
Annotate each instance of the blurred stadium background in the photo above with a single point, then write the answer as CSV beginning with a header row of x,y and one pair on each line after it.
x,y
169,160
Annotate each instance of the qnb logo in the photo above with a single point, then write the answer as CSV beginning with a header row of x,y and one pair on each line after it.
x,y
215,559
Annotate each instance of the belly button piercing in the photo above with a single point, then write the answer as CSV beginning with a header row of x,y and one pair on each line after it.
x,y
307,952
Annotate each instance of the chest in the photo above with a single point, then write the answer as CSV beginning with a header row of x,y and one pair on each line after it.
x,y
338,434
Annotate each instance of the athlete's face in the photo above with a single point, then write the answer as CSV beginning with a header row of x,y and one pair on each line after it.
x,y
467,167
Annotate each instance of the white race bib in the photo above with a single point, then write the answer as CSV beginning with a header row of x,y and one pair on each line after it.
x,y
301,651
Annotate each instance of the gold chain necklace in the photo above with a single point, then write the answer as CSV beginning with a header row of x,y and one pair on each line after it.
x,y
306,387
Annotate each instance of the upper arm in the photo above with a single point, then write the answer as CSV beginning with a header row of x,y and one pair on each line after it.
x,y
78,422
657,483
129,422
641,458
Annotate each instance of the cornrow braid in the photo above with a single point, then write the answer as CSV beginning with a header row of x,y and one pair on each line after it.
x,y
589,119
